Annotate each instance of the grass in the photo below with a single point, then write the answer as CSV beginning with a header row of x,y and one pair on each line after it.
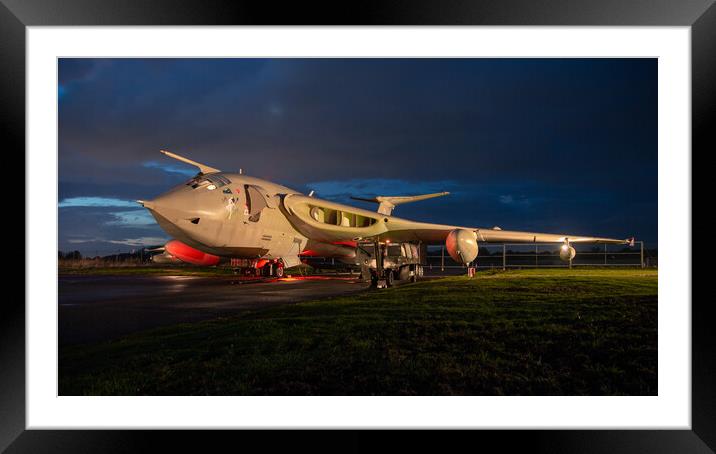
x,y
531,332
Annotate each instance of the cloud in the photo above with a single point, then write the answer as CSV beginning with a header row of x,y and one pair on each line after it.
x,y
512,200
95,202
143,241
170,168
82,240
134,218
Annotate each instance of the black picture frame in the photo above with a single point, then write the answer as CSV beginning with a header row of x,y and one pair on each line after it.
x,y
16,15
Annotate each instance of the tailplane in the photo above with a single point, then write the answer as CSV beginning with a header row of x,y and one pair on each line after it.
x,y
388,203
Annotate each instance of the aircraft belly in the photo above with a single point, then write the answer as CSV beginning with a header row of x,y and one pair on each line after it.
x,y
319,249
241,252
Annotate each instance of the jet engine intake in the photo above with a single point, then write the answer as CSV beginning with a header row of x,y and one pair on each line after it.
x,y
462,245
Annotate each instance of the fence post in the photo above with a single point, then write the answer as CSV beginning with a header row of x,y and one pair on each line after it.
x,y
442,258
641,244
504,257
605,253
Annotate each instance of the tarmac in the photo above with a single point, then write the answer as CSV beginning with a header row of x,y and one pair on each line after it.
x,y
100,308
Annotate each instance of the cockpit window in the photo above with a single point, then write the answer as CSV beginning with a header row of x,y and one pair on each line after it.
x,y
211,181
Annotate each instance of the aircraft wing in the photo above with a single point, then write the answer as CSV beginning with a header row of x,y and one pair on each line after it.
x,y
327,221
406,230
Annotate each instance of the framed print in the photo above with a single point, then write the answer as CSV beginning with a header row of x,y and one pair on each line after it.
x,y
265,219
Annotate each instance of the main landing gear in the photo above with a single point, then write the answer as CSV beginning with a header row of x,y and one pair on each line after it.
x,y
387,281
273,268
259,268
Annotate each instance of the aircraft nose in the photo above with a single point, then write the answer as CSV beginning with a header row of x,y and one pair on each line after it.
x,y
146,204
177,207
168,205
175,212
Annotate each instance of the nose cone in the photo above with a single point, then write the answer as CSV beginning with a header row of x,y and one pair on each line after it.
x,y
172,210
191,215
167,205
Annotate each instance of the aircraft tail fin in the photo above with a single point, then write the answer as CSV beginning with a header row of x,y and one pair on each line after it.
x,y
388,203
202,167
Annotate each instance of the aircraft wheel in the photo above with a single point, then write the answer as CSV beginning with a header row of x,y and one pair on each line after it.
x,y
373,280
404,273
279,270
414,277
389,278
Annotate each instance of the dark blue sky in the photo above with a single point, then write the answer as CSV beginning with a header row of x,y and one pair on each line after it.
x,y
555,145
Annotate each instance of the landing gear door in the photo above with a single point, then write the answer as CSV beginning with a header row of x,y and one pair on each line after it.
x,y
257,193
256,200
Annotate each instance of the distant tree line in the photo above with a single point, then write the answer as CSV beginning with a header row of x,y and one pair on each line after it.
x,y
138,255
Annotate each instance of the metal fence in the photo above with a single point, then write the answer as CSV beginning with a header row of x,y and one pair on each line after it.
x,y
546,255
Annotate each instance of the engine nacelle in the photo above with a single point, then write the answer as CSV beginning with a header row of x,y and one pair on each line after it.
x,y
567,252
188,254
462,246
